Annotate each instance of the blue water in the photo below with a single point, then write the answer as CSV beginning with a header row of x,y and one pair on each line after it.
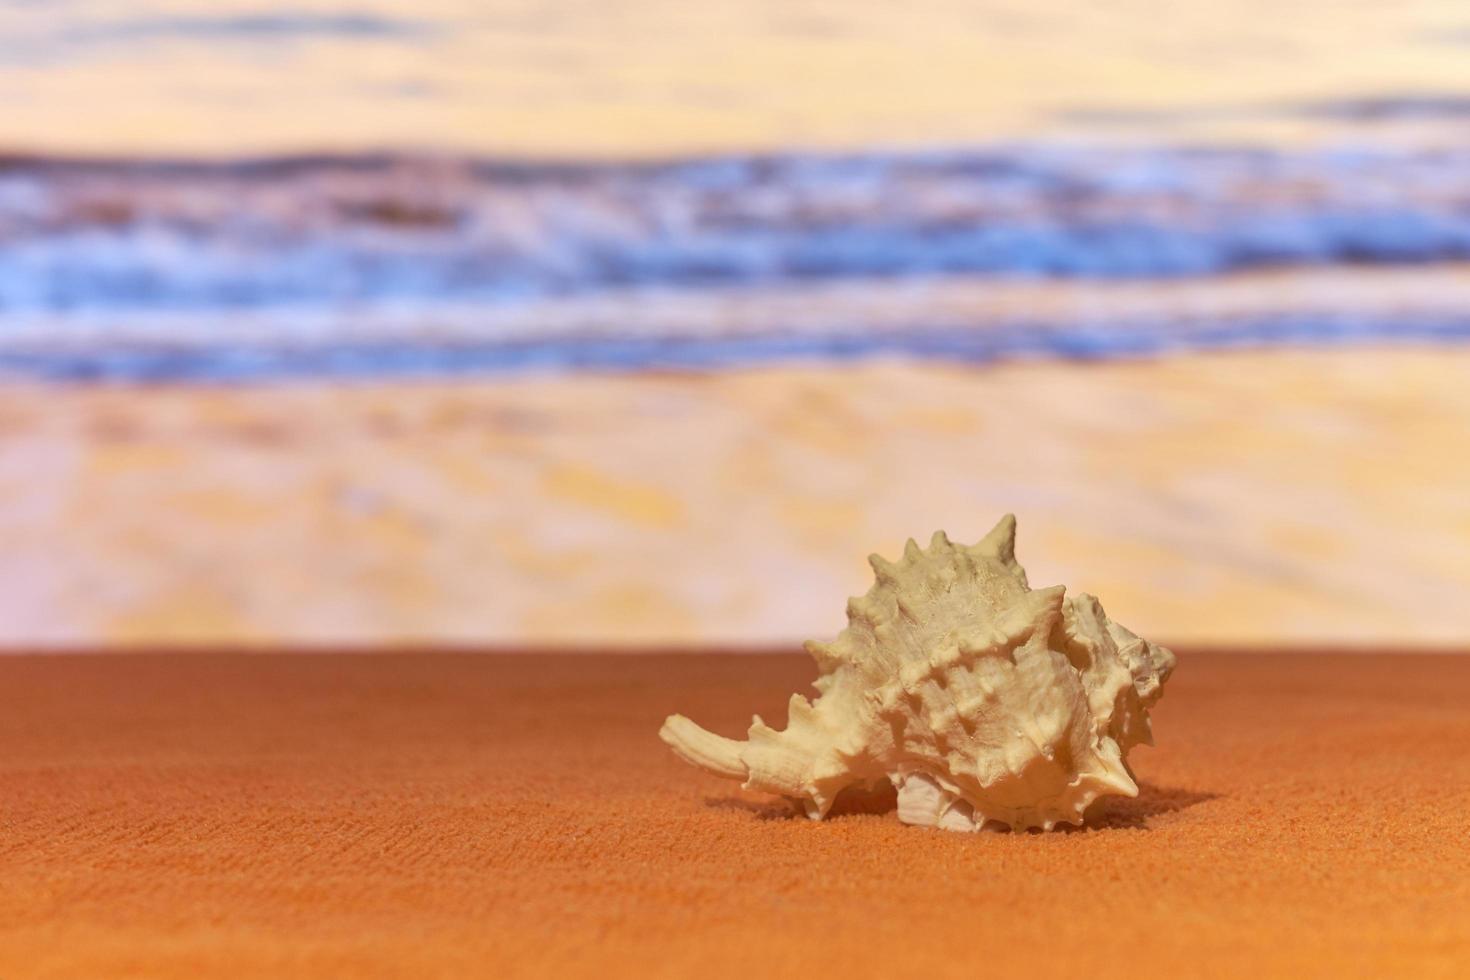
x,y
346,359
312,248
1204,167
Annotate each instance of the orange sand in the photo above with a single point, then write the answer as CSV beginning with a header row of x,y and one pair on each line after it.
x,y
464,815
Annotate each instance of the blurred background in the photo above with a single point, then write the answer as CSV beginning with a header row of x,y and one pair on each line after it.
x,y
641,323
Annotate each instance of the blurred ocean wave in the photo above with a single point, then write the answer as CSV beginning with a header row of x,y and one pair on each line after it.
x,y
391,263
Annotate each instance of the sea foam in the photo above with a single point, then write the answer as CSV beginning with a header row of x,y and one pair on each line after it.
x,y
387,263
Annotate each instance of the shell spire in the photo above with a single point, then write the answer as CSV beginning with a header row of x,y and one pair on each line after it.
x,y
982,700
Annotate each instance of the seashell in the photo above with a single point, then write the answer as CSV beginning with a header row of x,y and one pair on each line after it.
x,y
980,698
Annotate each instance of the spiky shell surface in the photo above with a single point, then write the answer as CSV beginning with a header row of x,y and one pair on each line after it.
x,y
980,698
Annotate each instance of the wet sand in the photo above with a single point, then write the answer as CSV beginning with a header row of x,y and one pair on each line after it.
x,y
456,815
1252,497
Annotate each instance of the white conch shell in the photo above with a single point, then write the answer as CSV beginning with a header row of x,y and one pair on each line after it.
x,y
980,698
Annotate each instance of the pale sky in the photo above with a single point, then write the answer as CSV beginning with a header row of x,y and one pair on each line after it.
x,y
656,77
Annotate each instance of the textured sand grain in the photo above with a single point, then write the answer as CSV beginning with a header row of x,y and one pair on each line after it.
x,y
465,815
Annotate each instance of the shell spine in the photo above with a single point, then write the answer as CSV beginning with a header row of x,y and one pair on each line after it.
x,y
980,698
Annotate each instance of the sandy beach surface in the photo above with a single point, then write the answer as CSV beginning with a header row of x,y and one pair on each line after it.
x,y
516,816
1245,498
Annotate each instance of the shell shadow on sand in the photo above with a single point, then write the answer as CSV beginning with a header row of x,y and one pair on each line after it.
x,y
1112,813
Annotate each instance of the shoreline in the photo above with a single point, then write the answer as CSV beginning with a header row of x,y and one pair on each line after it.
x,y
958,320
1221,499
